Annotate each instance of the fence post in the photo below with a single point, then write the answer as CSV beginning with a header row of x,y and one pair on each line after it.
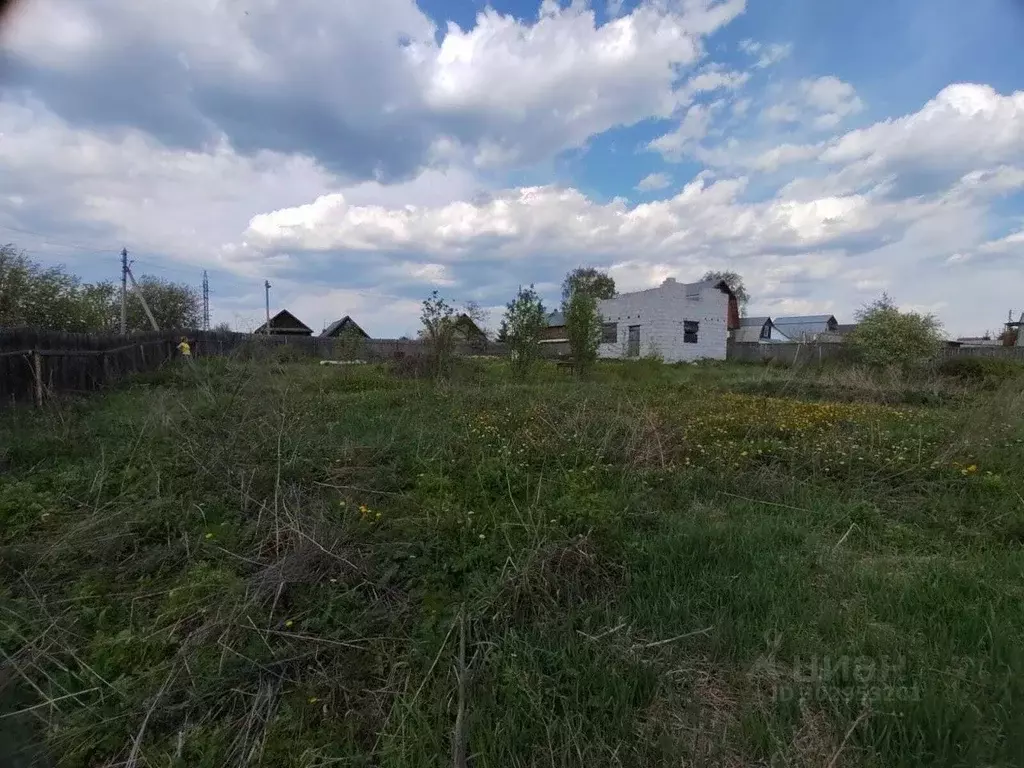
x,y
37,366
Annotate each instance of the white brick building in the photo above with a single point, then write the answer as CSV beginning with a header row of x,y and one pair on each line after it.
x,y
677,321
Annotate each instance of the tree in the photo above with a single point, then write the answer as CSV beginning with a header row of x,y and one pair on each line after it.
x,y
589,280
442,324
31,295
174,305
885,336
583,327
522,325
51,298
735,282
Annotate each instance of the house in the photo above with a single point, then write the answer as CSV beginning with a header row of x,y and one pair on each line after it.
x,y
467,330
806,327
757,330
555,330
678,321
979,341
284,323
342,327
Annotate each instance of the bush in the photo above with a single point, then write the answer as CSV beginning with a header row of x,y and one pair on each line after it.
x,y
886,337
990,372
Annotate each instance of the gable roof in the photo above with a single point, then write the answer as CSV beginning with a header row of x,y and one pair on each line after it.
x,y
466,324
341,326
287,322
796,326
556,320
750,321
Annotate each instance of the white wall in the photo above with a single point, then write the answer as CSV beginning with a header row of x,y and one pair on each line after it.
x,y
660,313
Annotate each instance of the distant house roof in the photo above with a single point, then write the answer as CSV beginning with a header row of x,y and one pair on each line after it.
x,y
556,320
468,328
844,328
799,326
285,323
748,334
750,321
345,324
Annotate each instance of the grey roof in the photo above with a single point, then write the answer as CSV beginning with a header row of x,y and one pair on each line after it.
x,y
798,326
556,319
845,328
747,334
342,324
758,321
803,319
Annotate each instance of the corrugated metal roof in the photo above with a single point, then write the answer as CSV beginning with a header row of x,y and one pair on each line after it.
x,y
747,334
758,321
797,327
803,319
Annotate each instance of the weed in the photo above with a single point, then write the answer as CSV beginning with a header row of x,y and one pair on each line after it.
x,y
278,563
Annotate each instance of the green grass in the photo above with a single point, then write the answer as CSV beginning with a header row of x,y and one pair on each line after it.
x,y
289,565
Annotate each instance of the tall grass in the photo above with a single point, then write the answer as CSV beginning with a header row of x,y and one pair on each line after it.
x,y
278,564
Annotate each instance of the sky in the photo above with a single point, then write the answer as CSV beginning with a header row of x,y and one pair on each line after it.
x,y
359,155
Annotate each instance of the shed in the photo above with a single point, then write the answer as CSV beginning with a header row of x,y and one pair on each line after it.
x,y
284,323
345,325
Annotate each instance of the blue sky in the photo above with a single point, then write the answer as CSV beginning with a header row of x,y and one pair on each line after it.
x,y
360,154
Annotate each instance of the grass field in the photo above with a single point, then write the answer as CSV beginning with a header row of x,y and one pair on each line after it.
x,y
288,565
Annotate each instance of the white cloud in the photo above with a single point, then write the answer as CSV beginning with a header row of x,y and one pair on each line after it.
x,y
821,103
694,127
832,98
966,126
508,91
766,53
653,181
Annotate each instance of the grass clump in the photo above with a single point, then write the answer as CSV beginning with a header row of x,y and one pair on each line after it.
x,y
298,565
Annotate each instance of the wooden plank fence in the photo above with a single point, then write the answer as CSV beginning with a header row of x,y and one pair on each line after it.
x,y
35,364
792,353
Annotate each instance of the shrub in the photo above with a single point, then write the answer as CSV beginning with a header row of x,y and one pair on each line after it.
x,y
583,327
524,320
987,371
886,337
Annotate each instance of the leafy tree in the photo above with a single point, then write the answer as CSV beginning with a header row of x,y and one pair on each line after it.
x,y
443,325
174,305
885,336
52,298
522,325
589,280
583,328
735,282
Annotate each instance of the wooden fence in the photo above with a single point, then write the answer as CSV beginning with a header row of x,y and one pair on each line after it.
x,y
35,364
792,353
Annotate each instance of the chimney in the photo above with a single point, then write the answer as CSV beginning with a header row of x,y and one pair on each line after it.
x,y
669,281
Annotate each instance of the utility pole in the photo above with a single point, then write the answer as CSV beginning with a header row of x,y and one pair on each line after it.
x,y
206,301
124,291
266,285
142,298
